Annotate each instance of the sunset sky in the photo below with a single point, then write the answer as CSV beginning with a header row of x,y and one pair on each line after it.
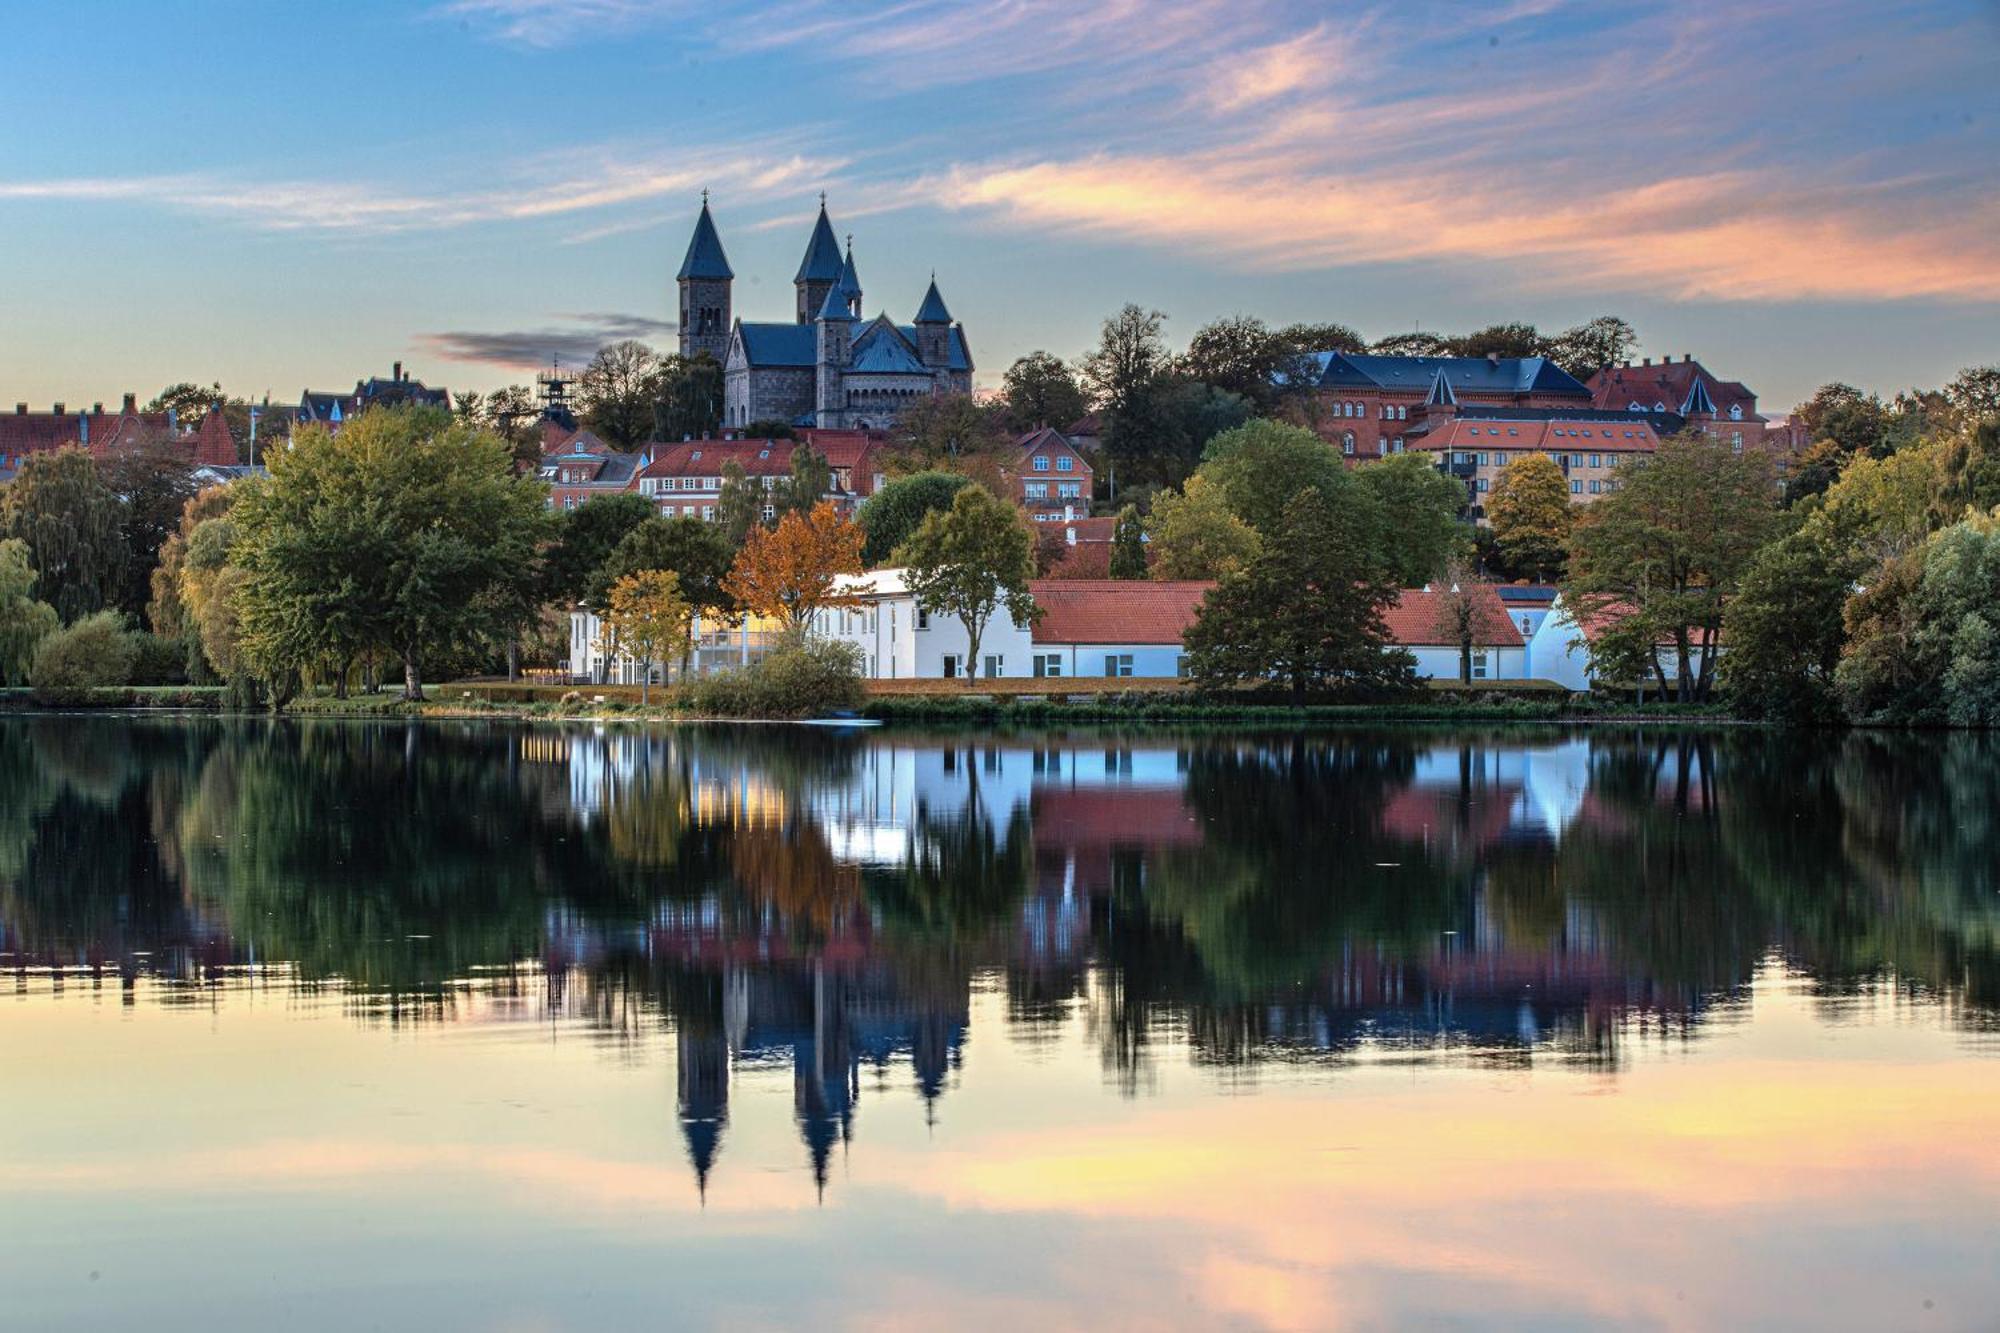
x,y
290,196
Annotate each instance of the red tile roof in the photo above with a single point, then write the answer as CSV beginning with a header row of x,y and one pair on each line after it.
x,y
1559,435
1415,619
1115,610
1668,382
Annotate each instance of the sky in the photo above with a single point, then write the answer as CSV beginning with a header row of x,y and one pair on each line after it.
x,y
281,197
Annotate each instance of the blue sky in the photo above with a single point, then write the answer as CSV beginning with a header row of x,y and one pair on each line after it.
x,y
294,195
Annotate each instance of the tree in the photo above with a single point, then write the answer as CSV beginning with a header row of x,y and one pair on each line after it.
x,y
1039,390
74,527
1881,677
583,541
1123,375
24,622
1326,337
801,492
1240,355
1853,422
1193,534
1967,472
1667,550
93,652
168,611
1186,415
153,486
1593,345
1879,508
1974,395
1457,609
788,572
1529,509
739,505
617,391
1507,340
1259,466
891,514
687,397
210,589
1307,609
970,561
1958,620
696,553
1783,629
391,535
513,414
1417,343
646,616
1419,508
1128,545
953,432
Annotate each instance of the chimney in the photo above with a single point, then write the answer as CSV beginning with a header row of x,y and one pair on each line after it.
x,y
1069,535
59,409
20,409
97,409
397,373
131,403
1645,360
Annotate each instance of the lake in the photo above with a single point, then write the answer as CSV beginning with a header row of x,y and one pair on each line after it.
x,y
478,1026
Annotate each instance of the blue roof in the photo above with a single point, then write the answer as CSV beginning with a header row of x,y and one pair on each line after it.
x,y
779,344
884,349
932,311
839,302
822,261
1441,394
1697,400
850,277
1465,374
704,255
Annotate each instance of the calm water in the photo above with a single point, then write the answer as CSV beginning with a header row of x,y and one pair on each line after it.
x,y
343,1026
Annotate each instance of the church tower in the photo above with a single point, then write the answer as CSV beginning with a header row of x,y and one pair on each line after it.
x,y
933,328
704,281
819,271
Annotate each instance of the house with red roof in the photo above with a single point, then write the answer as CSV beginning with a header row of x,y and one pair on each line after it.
x,y
1051,478
1424,621
1560,648
685,480
205,443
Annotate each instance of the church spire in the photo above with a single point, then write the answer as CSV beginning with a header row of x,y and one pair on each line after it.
x,y
822,259
933,311
705,259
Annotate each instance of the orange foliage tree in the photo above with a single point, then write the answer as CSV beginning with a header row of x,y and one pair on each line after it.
x,y
788,572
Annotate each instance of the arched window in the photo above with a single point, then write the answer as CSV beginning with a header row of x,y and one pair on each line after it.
x,y
1347,442
1736,411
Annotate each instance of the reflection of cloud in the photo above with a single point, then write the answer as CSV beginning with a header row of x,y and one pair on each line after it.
x,y
534,349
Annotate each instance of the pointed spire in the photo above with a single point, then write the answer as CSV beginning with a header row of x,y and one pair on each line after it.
x,y
839,303
1698,403
850,277
822,261
1441,394
933,311
704,253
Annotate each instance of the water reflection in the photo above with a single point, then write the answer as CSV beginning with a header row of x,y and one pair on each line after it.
x,y
831,904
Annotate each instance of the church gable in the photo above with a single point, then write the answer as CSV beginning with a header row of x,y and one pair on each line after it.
x,y
882,349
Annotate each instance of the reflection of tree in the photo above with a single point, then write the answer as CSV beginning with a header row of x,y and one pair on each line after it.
x,y
789,869
962,880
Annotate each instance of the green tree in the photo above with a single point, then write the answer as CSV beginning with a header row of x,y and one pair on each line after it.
x,y
810,480
1307,610
739,505
1958,618
1040,390
1417,343
617,391
1187,414
74,527
687,397
93,652
1593,346
1852,422
1530,511
24,622
890,515
697,553
391,536
583,541
1968,472
1667,550
952,432
646,617
1783,629
1128,545
1506,340
1974,395
1259,466
153,486
1419,508
1123,375
1326,337
168,612
1242,356
1195,536
971,561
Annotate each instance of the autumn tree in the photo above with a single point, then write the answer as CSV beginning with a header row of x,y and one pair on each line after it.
x,y
646,618
1040,390
1668,549
1306,610
971,561
1194,535
1128,545
617,391
953,432
1529,509
168,611
73,525
789,572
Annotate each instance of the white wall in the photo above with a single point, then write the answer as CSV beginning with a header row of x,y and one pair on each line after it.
x,y
1438,662
1558,653
1154,661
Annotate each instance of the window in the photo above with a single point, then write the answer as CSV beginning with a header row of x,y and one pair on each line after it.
x,y
708,513
923,618
1118,664
1736,441
1048,664
1596,486
770,513
1070,490
951,671
1479,666
1396,445
1035,490
1576,488
996,666
1736,411
1479,458
1041,462
1347,442
1181,665
1065,464
1597,460
1482,483
1402,413
1511,430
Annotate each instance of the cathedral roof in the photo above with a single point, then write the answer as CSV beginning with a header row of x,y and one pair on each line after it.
x,y
704,254
884,349
850,277
839,302
933,311
1474,375
822,261
777,346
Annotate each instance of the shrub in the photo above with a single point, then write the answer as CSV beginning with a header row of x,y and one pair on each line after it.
x,y
157,660
94,652
797,679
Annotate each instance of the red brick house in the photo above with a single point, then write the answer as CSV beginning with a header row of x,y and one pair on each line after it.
x,y
685,479
205,443
1363,405
1052,479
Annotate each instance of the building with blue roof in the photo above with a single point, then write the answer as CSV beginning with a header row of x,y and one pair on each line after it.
x,y
1364,405
832,365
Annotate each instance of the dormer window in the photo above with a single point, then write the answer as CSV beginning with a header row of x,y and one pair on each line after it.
x,y
696,456
763,453
1736,412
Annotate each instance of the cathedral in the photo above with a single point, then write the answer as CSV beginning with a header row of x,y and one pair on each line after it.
x,y
829,366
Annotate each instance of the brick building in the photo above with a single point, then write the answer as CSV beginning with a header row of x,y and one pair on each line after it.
x,y
1052,479
204,443
1364,405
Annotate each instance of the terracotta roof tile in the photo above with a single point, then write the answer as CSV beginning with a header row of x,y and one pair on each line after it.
x,y
1415,619
1115,610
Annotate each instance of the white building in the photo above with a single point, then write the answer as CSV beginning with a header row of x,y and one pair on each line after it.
x,y
1559,650
717,645
1420,620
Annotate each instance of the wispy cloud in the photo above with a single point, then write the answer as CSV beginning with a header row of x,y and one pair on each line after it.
x,y
525,350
